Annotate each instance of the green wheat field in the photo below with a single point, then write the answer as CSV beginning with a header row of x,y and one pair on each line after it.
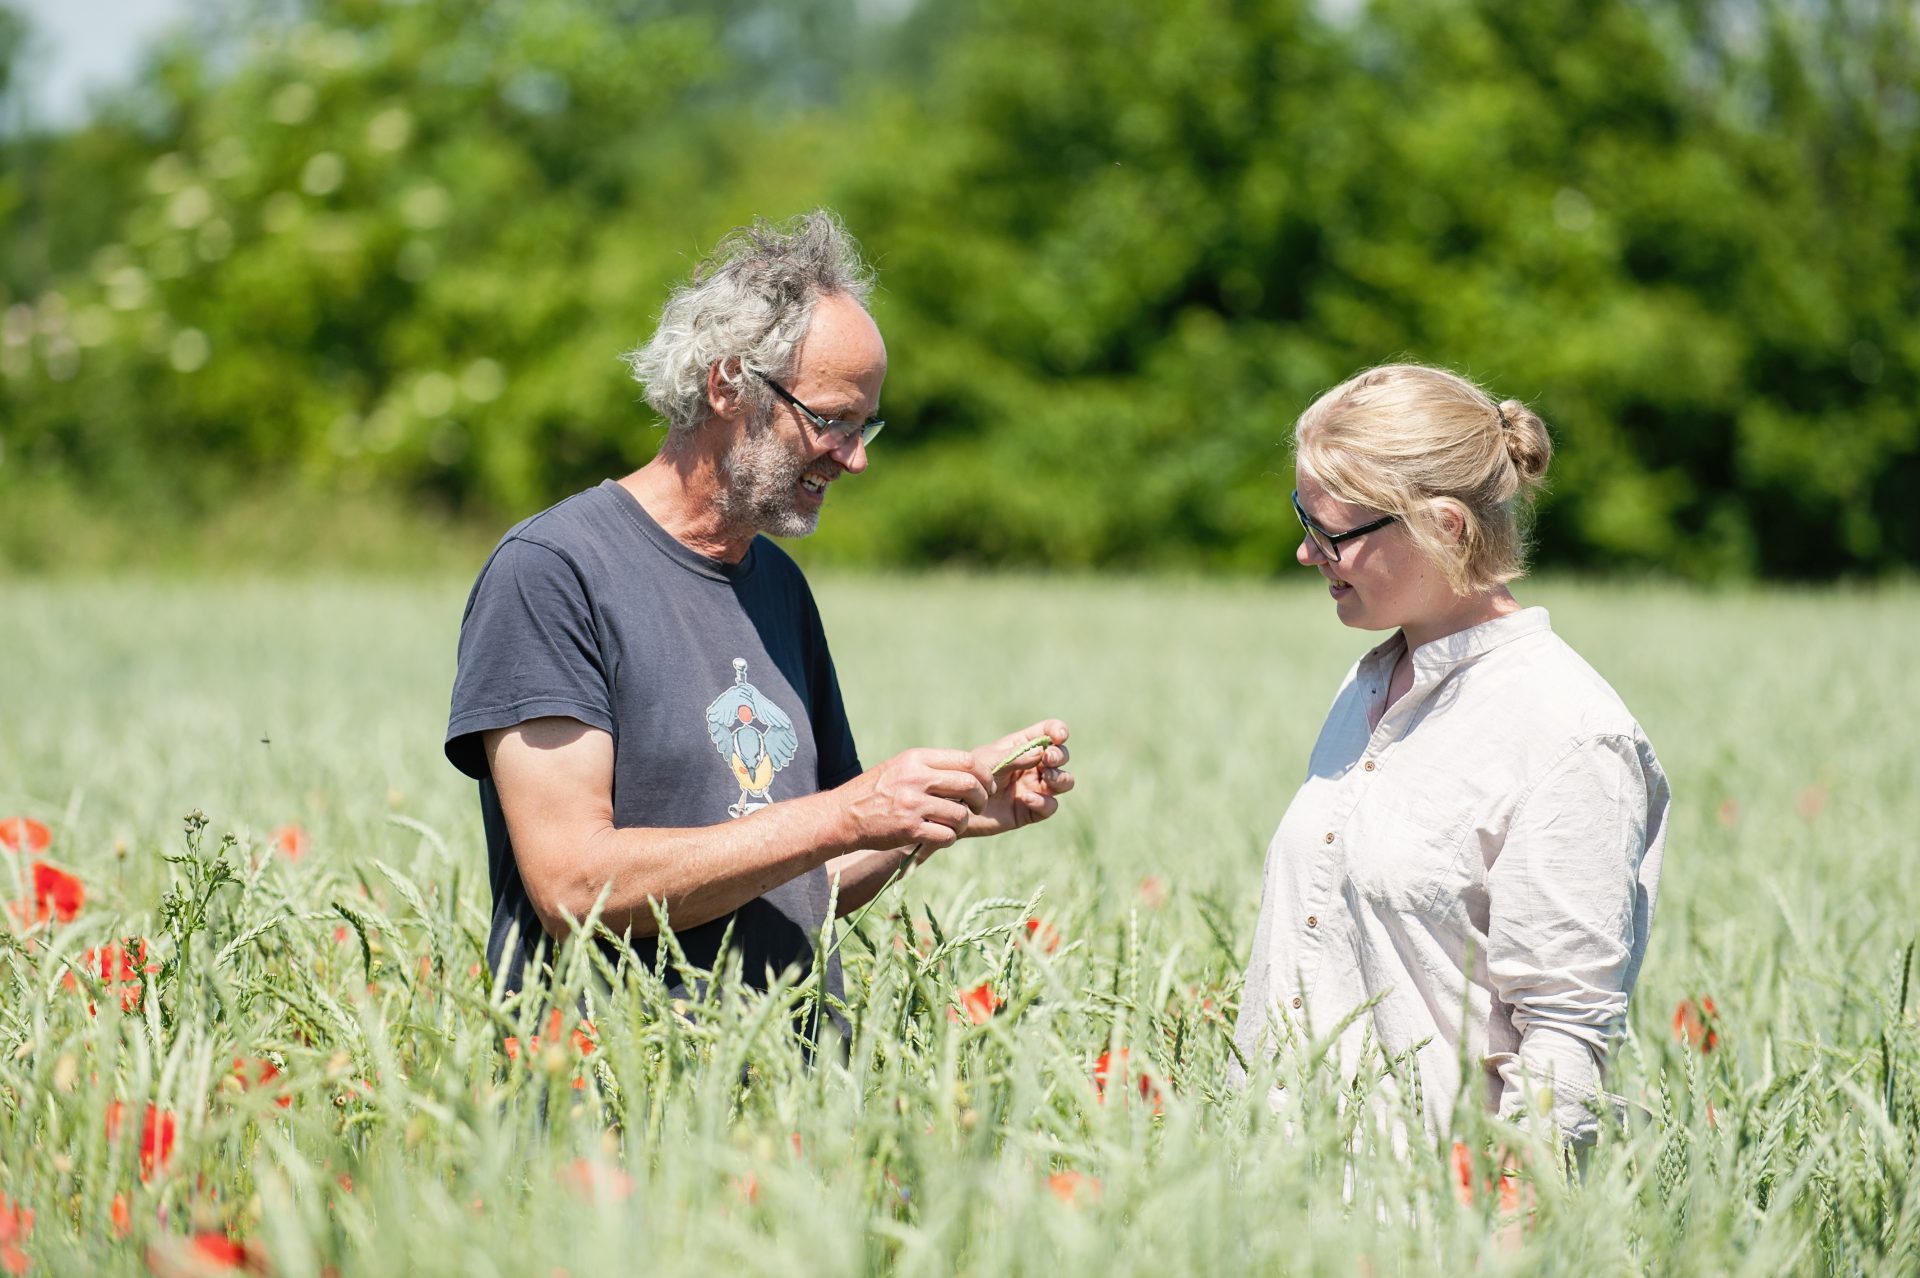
x,y
233,1056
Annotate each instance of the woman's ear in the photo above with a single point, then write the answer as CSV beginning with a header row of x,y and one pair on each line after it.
x,y
1450,519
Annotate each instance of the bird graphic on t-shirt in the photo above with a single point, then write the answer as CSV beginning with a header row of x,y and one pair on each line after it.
x,y
754,736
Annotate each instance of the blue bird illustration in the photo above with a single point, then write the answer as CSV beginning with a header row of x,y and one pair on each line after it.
x,y
754,736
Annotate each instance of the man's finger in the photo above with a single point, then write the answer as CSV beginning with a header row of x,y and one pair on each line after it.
x,y
1041,806
1052,729
952,815
956,761
957,784
934,835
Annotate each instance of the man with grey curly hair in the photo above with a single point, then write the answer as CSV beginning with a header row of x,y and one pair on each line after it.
x,y
740,321
644,690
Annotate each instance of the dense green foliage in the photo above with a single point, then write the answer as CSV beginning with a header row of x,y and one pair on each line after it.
x,y
1789,899
383,248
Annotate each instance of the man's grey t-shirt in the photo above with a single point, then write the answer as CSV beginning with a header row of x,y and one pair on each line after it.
x,y
713,679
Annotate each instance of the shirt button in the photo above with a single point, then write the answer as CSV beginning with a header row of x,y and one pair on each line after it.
x,y
1296,1000
1369,765
1329,836
1312,921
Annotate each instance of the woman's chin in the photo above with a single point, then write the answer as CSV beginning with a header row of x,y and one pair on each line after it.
x,y
1357,616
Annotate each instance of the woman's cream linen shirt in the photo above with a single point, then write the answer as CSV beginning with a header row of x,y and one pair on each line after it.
x,y
1492,846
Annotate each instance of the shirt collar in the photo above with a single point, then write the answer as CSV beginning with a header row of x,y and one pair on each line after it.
x,y
672,547
1443,654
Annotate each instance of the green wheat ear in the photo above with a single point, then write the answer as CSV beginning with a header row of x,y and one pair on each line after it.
x,y
1034,744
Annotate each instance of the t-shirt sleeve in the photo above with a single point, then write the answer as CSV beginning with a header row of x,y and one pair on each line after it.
x,y
529,649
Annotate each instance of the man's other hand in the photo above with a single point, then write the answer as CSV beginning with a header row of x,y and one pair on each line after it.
x,y
1028,787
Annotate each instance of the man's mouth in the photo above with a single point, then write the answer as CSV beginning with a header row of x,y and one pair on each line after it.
x,y
815,484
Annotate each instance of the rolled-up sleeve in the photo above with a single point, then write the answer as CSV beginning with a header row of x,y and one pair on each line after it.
x,y
1561,926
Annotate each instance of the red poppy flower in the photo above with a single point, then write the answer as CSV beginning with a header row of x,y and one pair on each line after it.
x,y
24,834
260,1073
156,1140
57,895
595,1181
121,1217
1506,1187
157,1131
979,1003
291,841
1041,933
16,1223
1462,1173
1070,1186
205,1253
1113,1064
222,1251
122,968
1693,1023
582,1038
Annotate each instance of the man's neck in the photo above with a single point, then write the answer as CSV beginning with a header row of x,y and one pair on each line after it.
x,y
681,489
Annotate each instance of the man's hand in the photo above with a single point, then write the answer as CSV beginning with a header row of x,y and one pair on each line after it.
x,y
1027,788
925,797
923,800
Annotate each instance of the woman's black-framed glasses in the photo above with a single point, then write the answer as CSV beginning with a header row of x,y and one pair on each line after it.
x,y
837,433
1328,543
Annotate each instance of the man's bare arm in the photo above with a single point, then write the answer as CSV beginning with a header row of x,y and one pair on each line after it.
x,y
865,874
555,778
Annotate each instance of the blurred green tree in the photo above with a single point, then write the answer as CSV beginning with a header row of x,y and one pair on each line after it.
x,y
1132,243
359,246
379,245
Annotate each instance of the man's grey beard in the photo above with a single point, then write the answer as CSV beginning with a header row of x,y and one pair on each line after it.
x,y
763,485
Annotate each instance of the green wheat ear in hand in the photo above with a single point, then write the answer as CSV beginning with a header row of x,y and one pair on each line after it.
x,y
1034,744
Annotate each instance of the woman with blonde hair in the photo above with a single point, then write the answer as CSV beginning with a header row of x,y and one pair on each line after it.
x,y
1477,844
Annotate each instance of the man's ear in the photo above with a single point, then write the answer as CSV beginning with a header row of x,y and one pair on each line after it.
x,y
726,392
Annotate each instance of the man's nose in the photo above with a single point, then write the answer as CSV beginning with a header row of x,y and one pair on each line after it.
x,y
851,453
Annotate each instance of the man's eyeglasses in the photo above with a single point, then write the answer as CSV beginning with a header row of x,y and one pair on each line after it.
x,y
836,433
1328,543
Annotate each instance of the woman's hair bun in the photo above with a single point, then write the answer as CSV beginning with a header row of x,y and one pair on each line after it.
x,y
1527,443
